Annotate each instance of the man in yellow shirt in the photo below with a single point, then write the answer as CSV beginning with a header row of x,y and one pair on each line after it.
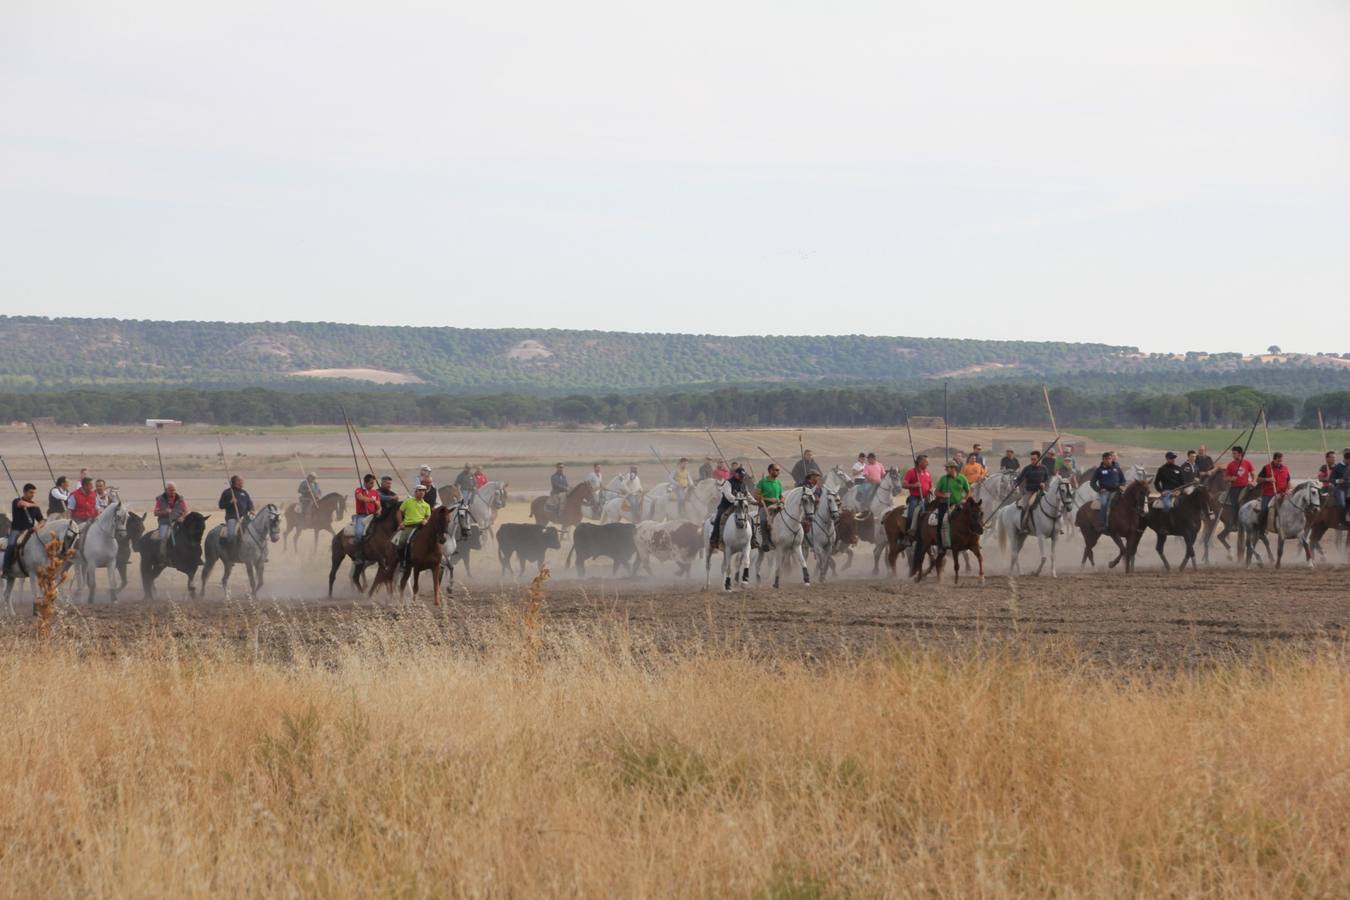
x,y
411,514
973,469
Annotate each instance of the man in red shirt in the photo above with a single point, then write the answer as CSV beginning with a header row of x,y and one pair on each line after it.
x,y
367,505
83,502
1274,479
1240,473
919,482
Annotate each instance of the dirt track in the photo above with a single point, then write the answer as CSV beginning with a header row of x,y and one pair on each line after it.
x,y
1147,620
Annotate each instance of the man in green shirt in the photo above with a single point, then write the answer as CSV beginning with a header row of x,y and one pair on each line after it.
x,y
951,490
411,514
770,491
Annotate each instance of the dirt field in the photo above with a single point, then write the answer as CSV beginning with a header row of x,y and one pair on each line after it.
x,y
1146,619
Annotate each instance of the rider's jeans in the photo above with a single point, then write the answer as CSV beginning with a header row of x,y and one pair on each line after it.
x,y
358,527
231,528
1103,498
912,504
1167,502
164,530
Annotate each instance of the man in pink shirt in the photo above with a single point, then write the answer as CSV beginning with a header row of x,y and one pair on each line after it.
x,y
872,472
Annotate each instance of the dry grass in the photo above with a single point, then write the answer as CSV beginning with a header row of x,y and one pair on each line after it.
x,y
529,761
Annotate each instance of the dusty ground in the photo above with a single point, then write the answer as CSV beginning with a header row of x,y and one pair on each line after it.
x,y
1145,619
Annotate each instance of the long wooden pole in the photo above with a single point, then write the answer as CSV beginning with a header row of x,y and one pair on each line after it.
x,y
1322,427
352,441
913,455
44,451
397,473
17,492
229,479
356,434
946,424
164,482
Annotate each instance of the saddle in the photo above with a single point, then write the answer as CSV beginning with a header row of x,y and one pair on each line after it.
x,y
1272,523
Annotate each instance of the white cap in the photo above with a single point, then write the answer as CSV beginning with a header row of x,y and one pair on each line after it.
x,y
425,469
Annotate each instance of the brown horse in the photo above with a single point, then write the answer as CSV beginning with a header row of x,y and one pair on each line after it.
x,y
895,526
317,516
1124,525
1190,510
572,507
966,524
378,548
1329,517
1221,512
423,552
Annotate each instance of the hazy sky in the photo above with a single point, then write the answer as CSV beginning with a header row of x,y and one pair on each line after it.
x,y
1171,175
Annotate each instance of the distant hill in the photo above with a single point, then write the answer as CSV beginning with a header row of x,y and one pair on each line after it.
x,y
46,353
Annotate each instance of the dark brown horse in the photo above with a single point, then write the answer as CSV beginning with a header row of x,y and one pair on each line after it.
x,y
317,516
423,552
1221,511
572,511
895,527
1191,509
1124,525
966,525
377,549
1329,517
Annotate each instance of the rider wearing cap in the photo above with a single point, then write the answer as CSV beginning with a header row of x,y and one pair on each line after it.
x,y
769,492
951,490
733,487
424,478
1169,479
1107,480
411,514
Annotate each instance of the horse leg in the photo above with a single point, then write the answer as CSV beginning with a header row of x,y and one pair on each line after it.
x,y
253,582
1054,542
801,558
1040,548
1120,552
979,557
436,583
1279,553
1162,539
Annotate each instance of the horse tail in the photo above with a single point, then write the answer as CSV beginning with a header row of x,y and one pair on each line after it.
x,y
570,551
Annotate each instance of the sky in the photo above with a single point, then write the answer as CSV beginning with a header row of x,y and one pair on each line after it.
x,y
1172,176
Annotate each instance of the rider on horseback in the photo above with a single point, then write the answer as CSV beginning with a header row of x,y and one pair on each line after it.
x,y
368,503
25,517
804,465
411,514
1274,480
309,494
237,505
733,487
1340,483
1240,473
170,510
425,480
769,491
1169,479
919,482
683,482
557,489
952,489
1032,480
1107,480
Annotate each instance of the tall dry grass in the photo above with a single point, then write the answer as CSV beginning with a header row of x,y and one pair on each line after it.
x,y
527,762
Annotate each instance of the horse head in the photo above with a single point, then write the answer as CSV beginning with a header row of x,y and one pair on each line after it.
x,y
499,496
273,522
832,505
120,515
974,514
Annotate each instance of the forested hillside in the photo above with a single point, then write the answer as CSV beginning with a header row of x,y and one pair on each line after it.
x,y
1001,404
46,353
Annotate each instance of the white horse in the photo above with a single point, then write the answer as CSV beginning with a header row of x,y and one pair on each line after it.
x,y
736,530
661,504
823,533
789,532
837,480
97,546
459,535
1293,521
1051,510
32,556
483,504
880,501
248,548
